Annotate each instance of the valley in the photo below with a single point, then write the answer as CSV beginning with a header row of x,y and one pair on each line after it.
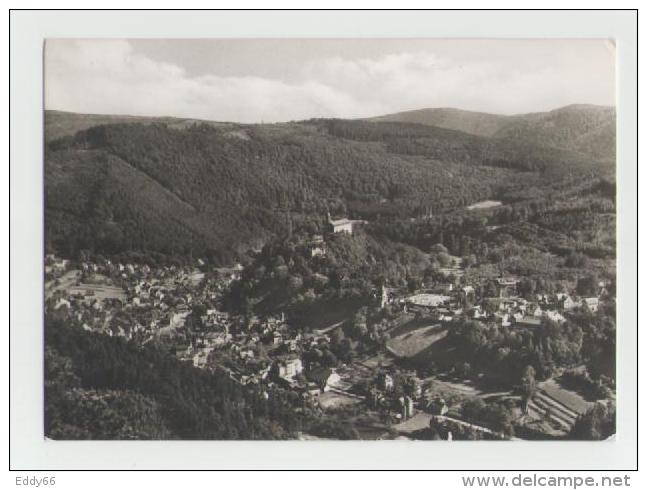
x,y
428,275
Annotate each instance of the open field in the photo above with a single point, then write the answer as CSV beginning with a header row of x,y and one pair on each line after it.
x,y
412,338
445,385
418,422
453,388
101,291
421,421
334,399
97,285
379,359
484,205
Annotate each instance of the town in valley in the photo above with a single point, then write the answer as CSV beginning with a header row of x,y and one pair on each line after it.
x,y
385,363
329,239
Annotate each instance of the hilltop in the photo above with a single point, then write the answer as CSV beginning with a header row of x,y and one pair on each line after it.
x,y
59,124
584,128
478,123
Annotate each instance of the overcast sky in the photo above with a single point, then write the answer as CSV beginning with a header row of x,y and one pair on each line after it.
x,y
281,80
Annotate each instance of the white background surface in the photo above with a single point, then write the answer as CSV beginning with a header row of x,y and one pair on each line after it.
x,y
28,449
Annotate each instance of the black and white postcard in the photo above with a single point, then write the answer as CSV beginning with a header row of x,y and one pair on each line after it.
x,y
397,240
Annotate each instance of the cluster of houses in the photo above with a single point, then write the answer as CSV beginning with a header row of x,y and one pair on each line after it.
x,y
269,352
141,303
446,303
403,404
54,265
310,383
256,351
179,306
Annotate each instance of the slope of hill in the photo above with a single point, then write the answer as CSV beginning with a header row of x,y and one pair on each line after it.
x,y
456,146
59,123
478,123
585,128
588,129
180,187
100,387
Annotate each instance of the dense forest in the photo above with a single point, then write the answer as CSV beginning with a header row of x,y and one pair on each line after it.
x,y
100,387
553,242
183,188
284,277
457,147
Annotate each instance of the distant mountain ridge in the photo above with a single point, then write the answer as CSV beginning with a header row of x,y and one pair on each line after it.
x,y
59,124
182,186
477,123
585,128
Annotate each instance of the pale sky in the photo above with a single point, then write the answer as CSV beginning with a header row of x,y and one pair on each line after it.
x,y
280,80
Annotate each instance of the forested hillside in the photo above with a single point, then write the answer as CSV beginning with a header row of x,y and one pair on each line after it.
x,y
59,124
98,387
478,123
587,129
181,187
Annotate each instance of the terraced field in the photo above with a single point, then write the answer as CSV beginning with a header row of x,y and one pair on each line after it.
x,y
567,397
563,407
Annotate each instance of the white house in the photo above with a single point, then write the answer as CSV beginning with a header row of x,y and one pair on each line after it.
x,y
290,368
591,303
343,225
